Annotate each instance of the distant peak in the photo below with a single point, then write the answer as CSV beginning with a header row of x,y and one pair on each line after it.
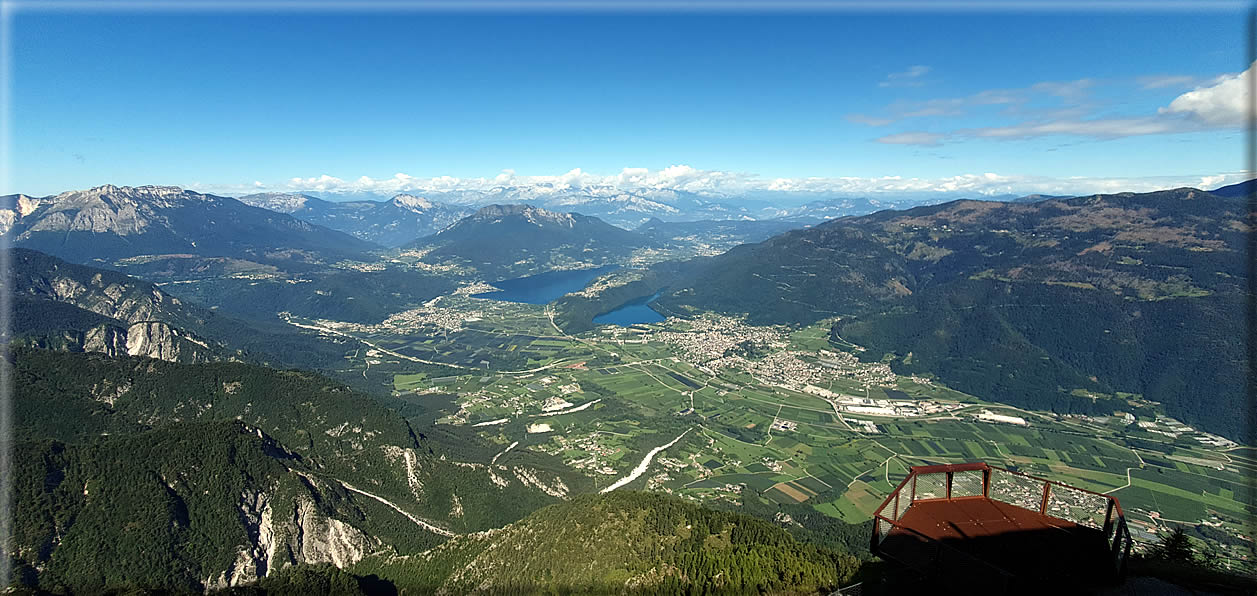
x,y
147,189
412,202
535,215
512,209
111,193
277,201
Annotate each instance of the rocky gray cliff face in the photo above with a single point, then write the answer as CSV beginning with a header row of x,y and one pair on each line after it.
x,y
151,339
290,532
126,302
148,321
155,339
105,209
106,339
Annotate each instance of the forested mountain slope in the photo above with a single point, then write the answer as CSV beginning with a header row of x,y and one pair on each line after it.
x,y
141,473
512,240
623,542
1028,303
65,306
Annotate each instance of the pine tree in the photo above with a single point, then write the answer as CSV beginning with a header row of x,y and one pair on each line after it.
x,y
1174,547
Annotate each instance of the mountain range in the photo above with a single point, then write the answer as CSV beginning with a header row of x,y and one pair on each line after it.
x,y
159,445
390,223
64,306
509,240
109,223
187,477
1032,303
626,208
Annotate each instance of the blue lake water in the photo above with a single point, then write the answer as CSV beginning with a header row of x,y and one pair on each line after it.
x,y
544,288
637,311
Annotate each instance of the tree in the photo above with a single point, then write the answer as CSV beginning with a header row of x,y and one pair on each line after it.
x,y
1175,547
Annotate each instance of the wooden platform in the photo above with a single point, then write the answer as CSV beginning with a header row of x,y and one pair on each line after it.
x,y
1023,543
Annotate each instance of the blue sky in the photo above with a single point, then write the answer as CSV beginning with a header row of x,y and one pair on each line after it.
x,y
290,101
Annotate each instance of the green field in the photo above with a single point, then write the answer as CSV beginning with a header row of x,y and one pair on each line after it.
x,y
645,393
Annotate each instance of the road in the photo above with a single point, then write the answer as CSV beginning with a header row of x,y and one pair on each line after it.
x,y
419,522
421,360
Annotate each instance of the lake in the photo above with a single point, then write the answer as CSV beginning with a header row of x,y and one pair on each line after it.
x,y
637,311
544,288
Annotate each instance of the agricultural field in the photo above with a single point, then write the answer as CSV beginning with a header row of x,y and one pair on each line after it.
x,y
767,419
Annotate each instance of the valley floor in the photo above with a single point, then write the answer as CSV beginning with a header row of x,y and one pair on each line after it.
x,y
721,412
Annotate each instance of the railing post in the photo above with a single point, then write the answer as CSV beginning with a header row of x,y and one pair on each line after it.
x,y
1108,518
1117,540
874,542
1047,492
949,477
914,487
986,483
1121,571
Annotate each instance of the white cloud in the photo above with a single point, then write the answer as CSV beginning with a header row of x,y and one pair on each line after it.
x,y
868,120
907,78
1072,91
1069,92
928,139
1103,128
1222,104
1163,81
660,184
321,183
1219,105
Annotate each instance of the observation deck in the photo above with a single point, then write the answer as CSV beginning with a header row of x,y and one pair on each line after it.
x,y
983,529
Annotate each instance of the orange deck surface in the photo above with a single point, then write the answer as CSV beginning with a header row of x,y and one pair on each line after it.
x,y
1021,542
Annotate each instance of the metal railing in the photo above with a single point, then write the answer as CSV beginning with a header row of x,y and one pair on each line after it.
x,y
979,480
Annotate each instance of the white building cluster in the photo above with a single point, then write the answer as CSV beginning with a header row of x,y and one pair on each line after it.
x,y
989,416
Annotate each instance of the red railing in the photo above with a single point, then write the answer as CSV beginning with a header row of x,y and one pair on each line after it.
x,y
981,481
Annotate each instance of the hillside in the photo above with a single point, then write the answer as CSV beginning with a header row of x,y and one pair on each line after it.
x,y
826,209
182,508
388,223
109,223
64,306
713,236
179,476
1239,190
501,241
621,542
1027,303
